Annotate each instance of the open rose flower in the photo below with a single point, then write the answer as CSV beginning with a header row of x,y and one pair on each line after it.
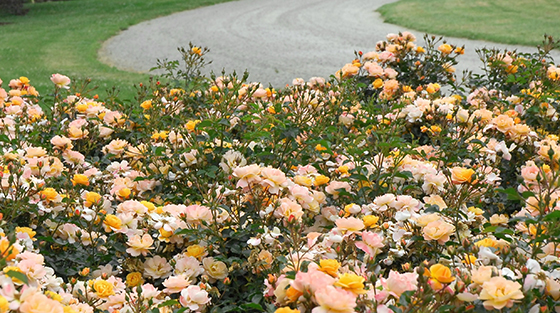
x,y
60,81
499,292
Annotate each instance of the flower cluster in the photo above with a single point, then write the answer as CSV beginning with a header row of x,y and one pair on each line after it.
x,y
373,191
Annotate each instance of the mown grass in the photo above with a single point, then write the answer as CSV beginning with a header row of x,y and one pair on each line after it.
x,y
522,22
65,36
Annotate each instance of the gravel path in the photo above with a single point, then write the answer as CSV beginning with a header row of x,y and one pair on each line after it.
x,y
275,41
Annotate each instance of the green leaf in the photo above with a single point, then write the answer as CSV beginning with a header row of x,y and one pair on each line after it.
x,y
168,303
553,216
19,276
511,193
253,306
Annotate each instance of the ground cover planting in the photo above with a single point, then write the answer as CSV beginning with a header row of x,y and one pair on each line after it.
x,y
64,36
506,21
393,186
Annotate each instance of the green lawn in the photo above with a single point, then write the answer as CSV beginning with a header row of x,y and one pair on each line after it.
x,y
64,37
507,21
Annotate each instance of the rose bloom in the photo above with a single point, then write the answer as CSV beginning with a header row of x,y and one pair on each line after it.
x,y
75,133
334,186
503,123
273,179
445,48
350,224
193,297
134,279
175,284
196,214
371,243
332,299
286,310
351,282
112,223
438,230
103,288
215,269
288,208
39,303
482,274
61,142
60,81
347,70
311,280
398,283
157,267
461,175
247,175
116,147
440,274
139,245
499,293
329,266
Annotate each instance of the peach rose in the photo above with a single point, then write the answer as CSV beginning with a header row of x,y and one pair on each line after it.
x,y
438,230
139,245
482,274
499,293
331,299
461,175
39,303
60,81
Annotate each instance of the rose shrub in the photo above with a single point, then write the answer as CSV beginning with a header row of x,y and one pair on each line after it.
x,y
391,187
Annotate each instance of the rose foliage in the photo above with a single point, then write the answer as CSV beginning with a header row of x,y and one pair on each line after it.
x,y
390,187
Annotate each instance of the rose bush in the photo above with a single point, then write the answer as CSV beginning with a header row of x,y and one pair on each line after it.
x,y
391,187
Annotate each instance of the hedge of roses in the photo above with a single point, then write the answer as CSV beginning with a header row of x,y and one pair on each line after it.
x,y
392,187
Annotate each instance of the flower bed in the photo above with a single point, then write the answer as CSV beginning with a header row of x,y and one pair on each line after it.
x,y
375,191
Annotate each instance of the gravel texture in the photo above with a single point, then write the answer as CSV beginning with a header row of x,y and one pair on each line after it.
x,y
275,41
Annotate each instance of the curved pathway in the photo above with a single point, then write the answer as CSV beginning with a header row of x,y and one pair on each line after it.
x,y
275,41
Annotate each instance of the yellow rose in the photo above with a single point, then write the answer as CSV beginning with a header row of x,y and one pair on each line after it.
x,y
146,105
112,222
92,198
151,207
461,175
26,230
351,282
49,194
134,279
191,125
303,180
7,251
196,251
69,309
370,220
441,273
329,266
80,179
286,310
378,83
321,180
293,294
4,305
487,242
445,48
103,288
499,293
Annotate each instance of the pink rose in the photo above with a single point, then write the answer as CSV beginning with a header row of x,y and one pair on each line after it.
x,y
60,81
